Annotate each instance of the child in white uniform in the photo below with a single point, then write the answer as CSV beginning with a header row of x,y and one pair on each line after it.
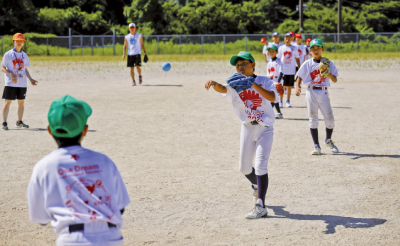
x,y
78,190
274,72
252,104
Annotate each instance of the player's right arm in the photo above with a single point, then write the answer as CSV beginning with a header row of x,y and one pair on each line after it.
x,y
298,82
217,87
36,200
124,49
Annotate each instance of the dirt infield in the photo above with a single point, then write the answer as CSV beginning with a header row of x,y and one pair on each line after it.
x,y
177,148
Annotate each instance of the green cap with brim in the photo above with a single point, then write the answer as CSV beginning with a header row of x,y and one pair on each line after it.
x,y
244,55
68,115
316,41
273,47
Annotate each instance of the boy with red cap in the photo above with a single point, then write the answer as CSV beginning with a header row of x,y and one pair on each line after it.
x,y
15,65
301,48
293,38
135,44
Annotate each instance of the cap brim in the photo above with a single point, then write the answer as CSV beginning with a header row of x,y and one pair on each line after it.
x,y
234,58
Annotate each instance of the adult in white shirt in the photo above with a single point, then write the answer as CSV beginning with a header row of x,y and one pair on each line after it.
x,y
134,42
252,104
78,190
15,65
289,56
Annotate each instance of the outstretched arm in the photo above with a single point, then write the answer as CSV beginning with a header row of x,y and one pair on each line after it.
x,y
269,95
33,82
217,87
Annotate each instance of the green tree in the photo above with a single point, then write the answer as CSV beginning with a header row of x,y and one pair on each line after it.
x,y
147,15
17,16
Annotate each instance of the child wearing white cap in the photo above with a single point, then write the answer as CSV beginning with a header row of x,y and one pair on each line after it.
x,y
135,44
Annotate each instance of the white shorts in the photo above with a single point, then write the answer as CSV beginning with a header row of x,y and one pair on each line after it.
x,y
255,141
113,237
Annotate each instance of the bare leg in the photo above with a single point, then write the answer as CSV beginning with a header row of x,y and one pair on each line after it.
x,y
133,73
281,97
139,70
21,108
6,109
288,92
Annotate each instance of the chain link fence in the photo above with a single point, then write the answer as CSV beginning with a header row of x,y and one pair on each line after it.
x,y
86,45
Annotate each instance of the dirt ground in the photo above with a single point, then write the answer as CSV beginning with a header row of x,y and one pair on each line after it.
x,y
177,148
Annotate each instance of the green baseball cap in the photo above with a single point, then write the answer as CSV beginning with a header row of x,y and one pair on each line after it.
x,y
316,41
272,46
242,54
69,115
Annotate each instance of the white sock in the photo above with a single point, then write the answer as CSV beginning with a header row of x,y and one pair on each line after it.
x,y
259,201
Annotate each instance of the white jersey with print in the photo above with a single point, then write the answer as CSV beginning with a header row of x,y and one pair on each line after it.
x,y
288,55
249,105
76,185
301,48
265,51
16,62
310,74
309,56
274,69
134,46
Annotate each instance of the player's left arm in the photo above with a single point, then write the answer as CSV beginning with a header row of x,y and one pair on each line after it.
x,y
333,72
28,75
142,44
298,62
267,94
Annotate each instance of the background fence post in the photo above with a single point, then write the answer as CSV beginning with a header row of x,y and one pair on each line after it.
x,y
334,38
180,42
357,41
202,44
158,44
245,38
81,45
47,46
91,44
224,44
113,41
379,42
70,42
102,43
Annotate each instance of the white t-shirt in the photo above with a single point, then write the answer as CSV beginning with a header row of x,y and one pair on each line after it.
x,y
265,51
249,105
75,185
309,73
134,46
13,61
309,56
274,69
301,48
288,55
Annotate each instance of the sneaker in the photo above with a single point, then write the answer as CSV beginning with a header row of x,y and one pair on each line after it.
x,y
140,80
257,212
329,143
133,83
21,124
316,151
280,104
255,194
279,116
288,104
4,126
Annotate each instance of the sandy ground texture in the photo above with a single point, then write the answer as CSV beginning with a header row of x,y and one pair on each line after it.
x,y
177,148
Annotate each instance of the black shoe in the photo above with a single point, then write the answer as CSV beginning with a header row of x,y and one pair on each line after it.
x,y
21,124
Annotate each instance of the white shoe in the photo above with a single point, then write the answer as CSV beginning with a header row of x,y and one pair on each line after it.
x,y
329,143
316,151
257,212
279,116
280,105
288,104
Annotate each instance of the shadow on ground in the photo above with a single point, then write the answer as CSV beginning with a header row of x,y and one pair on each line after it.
x,y
164,85
358,156
331,220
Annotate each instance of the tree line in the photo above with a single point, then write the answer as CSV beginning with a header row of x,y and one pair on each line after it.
x,y
194,16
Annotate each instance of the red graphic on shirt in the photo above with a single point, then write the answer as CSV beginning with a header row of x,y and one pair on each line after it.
x,y
251,99
18,63
299,52
271,72
75,157
89,198
288,57
316,78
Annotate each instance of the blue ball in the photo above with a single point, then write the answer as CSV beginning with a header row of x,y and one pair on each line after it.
x,y
166,66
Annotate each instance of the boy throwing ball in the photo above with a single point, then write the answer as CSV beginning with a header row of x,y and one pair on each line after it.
x,y
251,97
316,74
79,190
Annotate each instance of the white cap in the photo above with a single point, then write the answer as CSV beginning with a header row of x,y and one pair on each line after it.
x,y
132,25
